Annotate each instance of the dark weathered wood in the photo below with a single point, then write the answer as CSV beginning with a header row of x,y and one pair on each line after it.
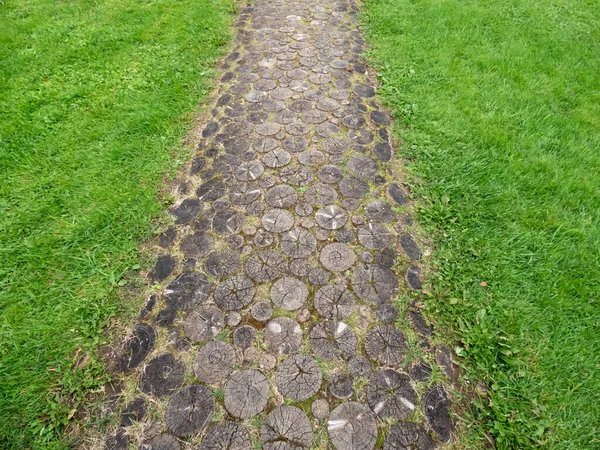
x,y
289,293
408,436
334,302
118,441
214,362
162,376
286,428
204,323
188,290
436,405
163,268
222,263
161,441
389,394
137,347
186,211
385,344
298,377
337,257
420,371
283,336
244,336
373,283
246,393
234,293
189,410
333,340
226,435
134,412
196,245
352,426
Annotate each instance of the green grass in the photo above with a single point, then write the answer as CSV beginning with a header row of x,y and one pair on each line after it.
x,y
498,107
94,99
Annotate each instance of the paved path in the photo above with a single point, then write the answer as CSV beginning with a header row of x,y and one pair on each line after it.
x,y
279,326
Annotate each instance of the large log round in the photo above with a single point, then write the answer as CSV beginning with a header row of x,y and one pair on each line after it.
x,y
389,394
299,377
286,428
246,393
214,362
189,410
352,426
227,435
333,340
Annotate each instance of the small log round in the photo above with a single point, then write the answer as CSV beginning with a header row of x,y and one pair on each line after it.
x,y
162,376
246,393
133,412
261,311
320,408
386,313
299,377
286,428
244,336
204,323
214,362
189,409
337,257
281,196
341,386
352,426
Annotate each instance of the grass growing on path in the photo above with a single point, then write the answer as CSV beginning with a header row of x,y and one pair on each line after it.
x,y
94,99
498,105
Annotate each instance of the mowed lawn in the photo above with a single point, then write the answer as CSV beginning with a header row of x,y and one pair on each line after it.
x,y
95,97
498,109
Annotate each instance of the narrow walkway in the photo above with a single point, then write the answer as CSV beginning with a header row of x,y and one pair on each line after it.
x,y
279,326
